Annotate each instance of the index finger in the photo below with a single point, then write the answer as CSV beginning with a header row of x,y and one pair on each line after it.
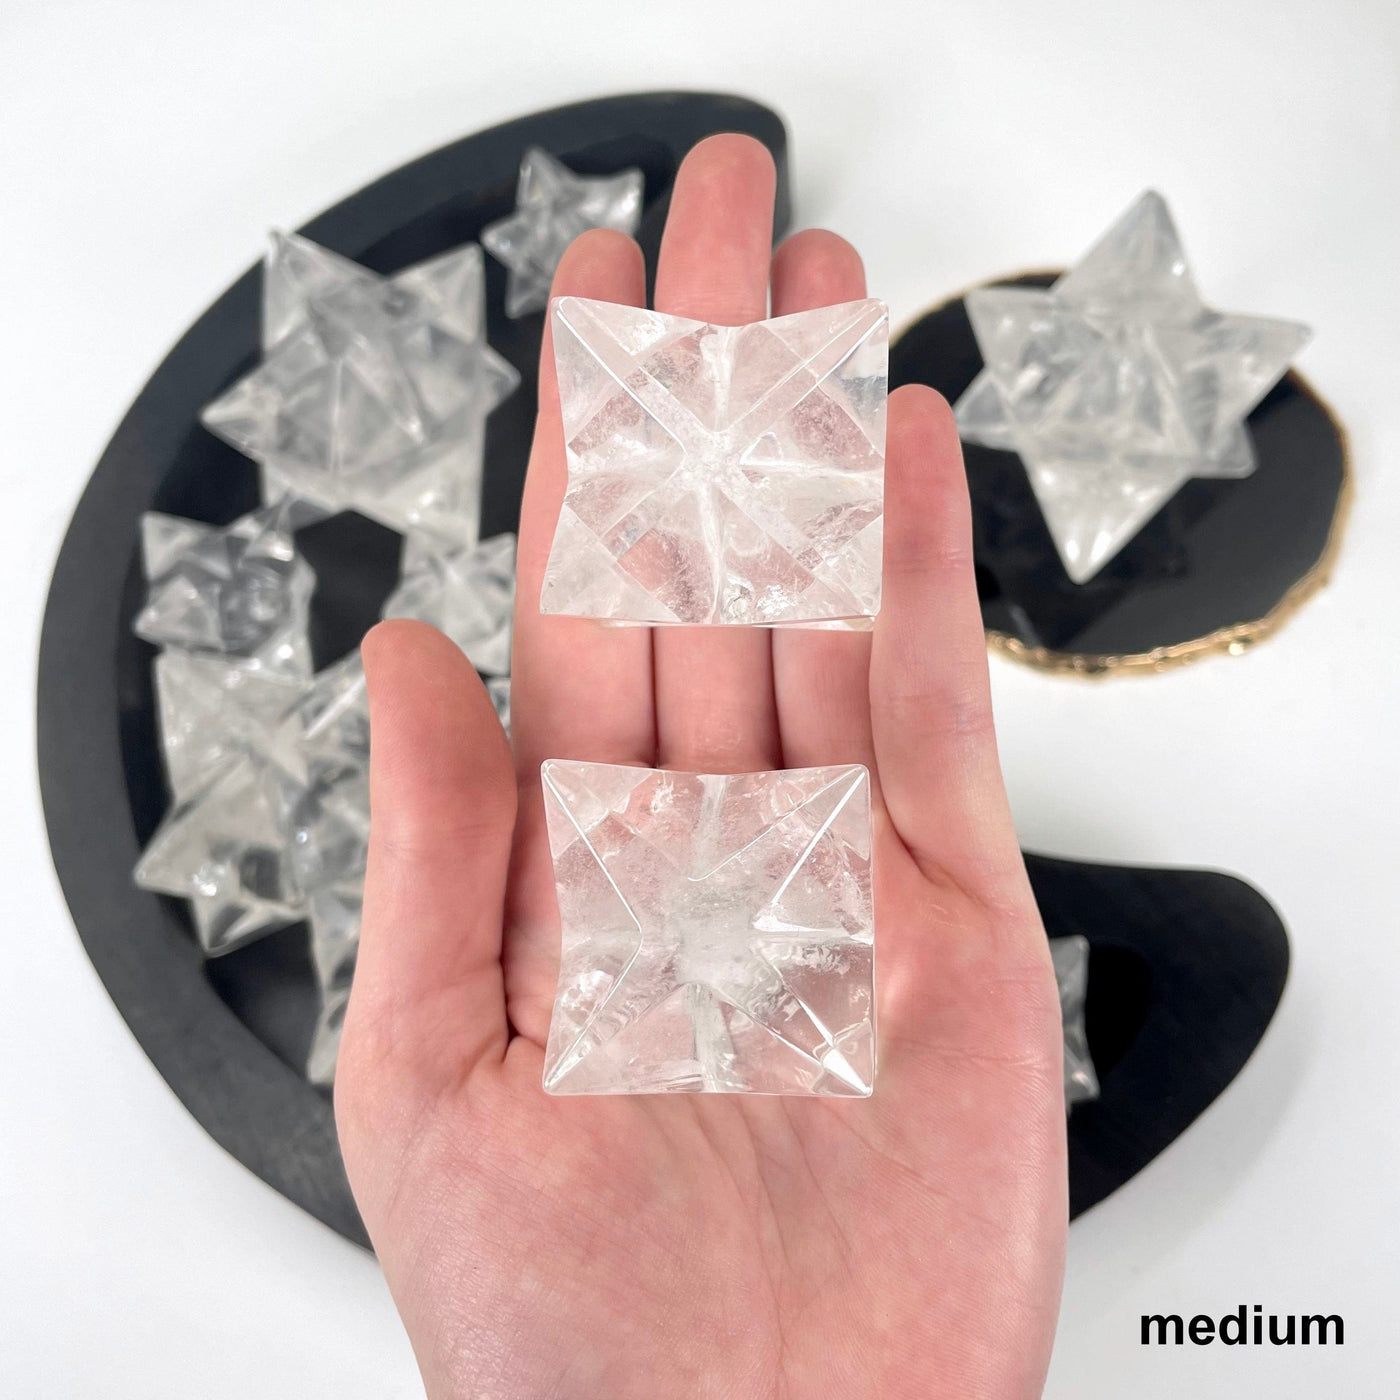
x,y
578,689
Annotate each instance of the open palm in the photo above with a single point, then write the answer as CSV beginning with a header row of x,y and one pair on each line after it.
x,y
909,1244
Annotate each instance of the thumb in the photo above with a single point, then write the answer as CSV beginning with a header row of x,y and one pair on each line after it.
x,y
428,987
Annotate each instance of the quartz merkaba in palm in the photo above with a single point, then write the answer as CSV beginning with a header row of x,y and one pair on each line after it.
x,y
373,392
552,207
720,474
1117,385
717,931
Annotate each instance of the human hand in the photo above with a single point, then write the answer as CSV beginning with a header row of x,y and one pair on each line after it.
x,y
736,1246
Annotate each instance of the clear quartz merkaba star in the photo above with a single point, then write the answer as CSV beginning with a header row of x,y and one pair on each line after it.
x,y
211,711
221,844
240,591
270,797
373,392
717,931
467,592
1117,385
552,207
720,474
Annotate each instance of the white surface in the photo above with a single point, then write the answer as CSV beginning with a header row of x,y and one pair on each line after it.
x,y
148,147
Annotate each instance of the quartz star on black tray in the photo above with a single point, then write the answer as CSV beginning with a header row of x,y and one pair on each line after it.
x,y
1216,569
1186,968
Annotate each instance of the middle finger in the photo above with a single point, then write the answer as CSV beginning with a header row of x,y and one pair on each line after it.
x,y
715,709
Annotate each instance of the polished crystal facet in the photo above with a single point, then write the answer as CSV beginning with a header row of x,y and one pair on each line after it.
x,y
717,931
466,592
1071,959
720,474
373,392
1117,385
240,591
552,207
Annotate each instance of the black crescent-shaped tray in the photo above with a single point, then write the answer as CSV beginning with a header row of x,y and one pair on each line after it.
x,y
1186,967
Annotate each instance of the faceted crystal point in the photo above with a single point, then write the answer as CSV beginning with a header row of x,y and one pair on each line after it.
x,y
1071,959
241,591
717,931
720,474
373,392
1118,385
467,592
552,207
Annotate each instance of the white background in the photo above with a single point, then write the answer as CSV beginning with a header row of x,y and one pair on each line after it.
x,y
145,149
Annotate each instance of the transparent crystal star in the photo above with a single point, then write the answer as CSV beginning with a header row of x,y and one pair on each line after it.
x,y
271,797
223,849
717,931
1117,385
240,591
373,392
231,770
335,943
552,207
720,474
466,592
210,711
1071,959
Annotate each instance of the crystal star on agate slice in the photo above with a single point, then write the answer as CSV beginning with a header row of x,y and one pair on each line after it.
x,y
240,591
552,207
720,474
373,392
467,592
717,931
1117,385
